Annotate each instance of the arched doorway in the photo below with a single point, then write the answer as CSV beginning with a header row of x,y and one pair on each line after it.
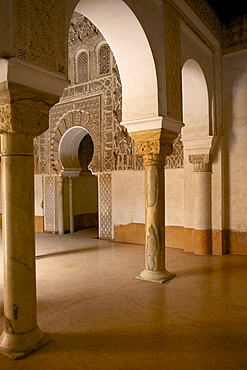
x,y
75,151
77,187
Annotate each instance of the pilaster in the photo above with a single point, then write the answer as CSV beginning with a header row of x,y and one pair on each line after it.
x,y
202,203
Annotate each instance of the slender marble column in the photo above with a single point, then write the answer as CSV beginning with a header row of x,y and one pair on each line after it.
x,y
154,146
71,206
202,204
60,181
21,335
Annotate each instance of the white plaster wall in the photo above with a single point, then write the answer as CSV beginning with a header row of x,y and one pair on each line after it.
x,y
235,94
0,188
174,197
85,192
128,199
217,201
128,204
188,192
38,195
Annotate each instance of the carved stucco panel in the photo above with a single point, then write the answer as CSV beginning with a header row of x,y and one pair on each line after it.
x,y
40,33
82,114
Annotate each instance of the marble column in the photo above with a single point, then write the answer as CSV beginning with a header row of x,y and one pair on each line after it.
x,y
23,115
71,206
60,204
202,203
154,146
21,332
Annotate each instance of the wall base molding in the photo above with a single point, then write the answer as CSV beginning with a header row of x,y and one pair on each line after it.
x,y
222,241
39,224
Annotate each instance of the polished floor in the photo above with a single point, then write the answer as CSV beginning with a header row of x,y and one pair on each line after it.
x,y
99,317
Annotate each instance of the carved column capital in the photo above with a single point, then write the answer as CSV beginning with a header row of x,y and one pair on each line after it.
x,y
154,145
24,109
201,162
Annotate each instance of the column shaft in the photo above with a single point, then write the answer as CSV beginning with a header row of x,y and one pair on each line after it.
x,y
154,146
71,206
155,220
202,213
20,320
60,196
202,203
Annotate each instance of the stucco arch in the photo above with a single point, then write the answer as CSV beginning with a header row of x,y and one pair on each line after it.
x,y
71,119
68,151
133,54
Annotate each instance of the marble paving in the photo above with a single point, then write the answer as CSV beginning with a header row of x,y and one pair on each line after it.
x,y
99,316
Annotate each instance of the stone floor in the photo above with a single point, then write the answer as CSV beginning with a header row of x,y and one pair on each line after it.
x,y
99,317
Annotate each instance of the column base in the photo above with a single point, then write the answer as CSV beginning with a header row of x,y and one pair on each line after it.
x,y
155,276
17,346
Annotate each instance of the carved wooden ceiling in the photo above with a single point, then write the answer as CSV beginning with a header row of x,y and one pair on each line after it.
x,y
227,10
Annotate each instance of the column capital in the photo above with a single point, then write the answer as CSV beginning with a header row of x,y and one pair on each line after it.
x,y
154,145
201,162
24,109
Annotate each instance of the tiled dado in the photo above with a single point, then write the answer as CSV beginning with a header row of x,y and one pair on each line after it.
x,y
184,238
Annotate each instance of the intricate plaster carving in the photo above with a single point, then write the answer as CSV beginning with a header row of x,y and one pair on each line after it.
x,y
23,109
154,145
49,203
176,159
201,162
234,36
5,116
40,33
70,119
102,99
105,205
207,15
81,29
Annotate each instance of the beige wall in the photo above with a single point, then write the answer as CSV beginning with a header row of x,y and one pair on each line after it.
x,y
174,193
85,193
128,197
235,93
